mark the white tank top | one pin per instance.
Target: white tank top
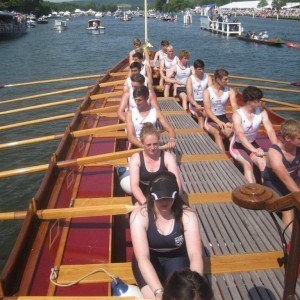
(250, 128)
(199, 86)
(182, 74)
(143, 70)
(169, 63)
(218, 103)
(161, 55)
(139, 121)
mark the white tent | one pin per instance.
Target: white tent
(292, 5)
(244, 5)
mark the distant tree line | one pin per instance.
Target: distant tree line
(40, 7)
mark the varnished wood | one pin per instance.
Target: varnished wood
(98, 130)
(37, 121)
(106, 95)
(212, 265)
(69, 298)
(46, 94)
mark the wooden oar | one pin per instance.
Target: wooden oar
(72, 212)
(51, 80)
(265, 87)
(259, 79)
(61, 79)
(280, 102)
(47, 94)
(107, 157)
(290, 109)
(110, 83)
(37, 121)
(63, 102)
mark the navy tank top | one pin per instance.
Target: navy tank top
(171, 245)
(146, 176)
(292, 168)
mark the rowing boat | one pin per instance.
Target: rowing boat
(269, 42)
(293, 44)
(77, 223)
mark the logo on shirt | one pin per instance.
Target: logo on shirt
(179, 240)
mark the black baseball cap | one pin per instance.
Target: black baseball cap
(164, 185)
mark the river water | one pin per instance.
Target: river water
(43, 53)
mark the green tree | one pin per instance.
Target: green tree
(262, 3)
(277, 4)
(159, 5)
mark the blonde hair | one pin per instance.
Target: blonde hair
(170, 47)
(148, 129)
(289, 128)
(137, 42)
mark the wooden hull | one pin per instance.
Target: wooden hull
(232, 237)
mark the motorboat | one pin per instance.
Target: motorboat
(95, 27)
(60, 25)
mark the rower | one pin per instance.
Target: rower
(127, 100)
(144, 113)
(246, 123)
(215, 99)
(146, 69)
(135, 68)
(283, 163)
(138, 48)
(195, 86)
(166, 65)
(146, 164)
(159, 55)
(181, 71)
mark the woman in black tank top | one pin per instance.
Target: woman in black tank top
(148, 163)
(165, 235)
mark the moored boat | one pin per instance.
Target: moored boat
(12, 25)
(294, 45)
(60, 25)
(42, 20)
(269, 41)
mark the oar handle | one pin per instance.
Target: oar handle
(15, 215)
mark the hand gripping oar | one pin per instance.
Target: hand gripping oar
(72, 212)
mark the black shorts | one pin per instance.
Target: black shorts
(222, 118)
(164, 267)
(181, 89)
(239, 146)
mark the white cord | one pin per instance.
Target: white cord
(54, 275)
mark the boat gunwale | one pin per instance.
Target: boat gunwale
(18, 253)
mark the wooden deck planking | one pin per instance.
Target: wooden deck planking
(182, 121)
(167, 105)
(240, 231)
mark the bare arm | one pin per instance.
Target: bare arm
(131, 131)
(162, 68)
(171, 165)
(123, 105)
(193, 240)
(153, 99)
(269, 128)
(209, 81)
(149, 74)
(134, 169)
(170, 77)
(155, 59)
(164, 122)
(275, 161)
(138, 230)
(232, 99)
